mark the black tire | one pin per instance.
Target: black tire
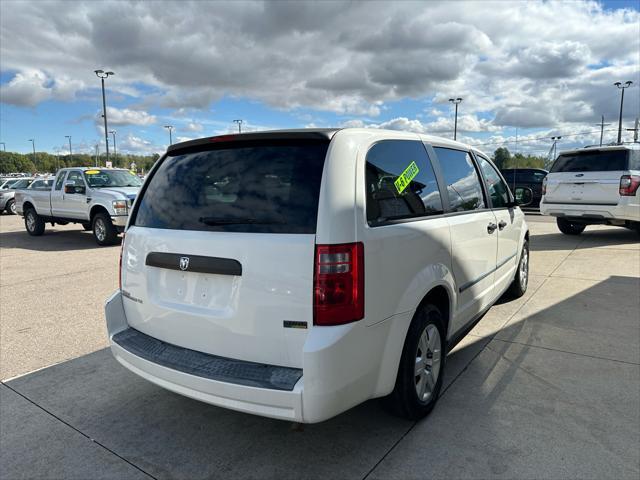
(87, 226)
(520, 282)
(570, 228)
(33, 223)
(103, 230)
(10, 207)
(404, 400)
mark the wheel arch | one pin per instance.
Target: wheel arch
(95, 209)
(439, 294)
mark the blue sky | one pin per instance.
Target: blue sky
(541, 68)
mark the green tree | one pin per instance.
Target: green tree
(501, 157)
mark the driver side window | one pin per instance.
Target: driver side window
(76, 178)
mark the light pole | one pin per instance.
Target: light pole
(170, 128)
(97, 153)
(101, 74)
(602, 125)
(70, 152)
(555, 146)
(115, 151)
(455, 101)
(622, 87)
(239, 122)
(35, 160)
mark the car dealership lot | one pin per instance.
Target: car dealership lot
(547, 386)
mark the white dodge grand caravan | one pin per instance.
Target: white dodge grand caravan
(296, 274)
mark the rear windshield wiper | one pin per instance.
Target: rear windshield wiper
(212, 221)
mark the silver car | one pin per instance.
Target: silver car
(8, 191)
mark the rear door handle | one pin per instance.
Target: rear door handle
(491, 227)
(502, 224)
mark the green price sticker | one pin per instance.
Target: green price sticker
(403, 181)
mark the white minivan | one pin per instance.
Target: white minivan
(295, 274)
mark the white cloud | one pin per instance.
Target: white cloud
(125, 116)
(530, 63)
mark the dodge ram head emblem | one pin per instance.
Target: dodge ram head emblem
(184, 263)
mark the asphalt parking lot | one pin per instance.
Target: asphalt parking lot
(547, 386)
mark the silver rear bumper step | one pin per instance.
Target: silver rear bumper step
(208, 366)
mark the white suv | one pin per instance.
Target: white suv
(295, 274)
(594, 185)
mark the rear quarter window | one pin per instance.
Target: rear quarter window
(266, 187)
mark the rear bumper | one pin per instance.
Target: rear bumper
(335, 379)
(627, 209)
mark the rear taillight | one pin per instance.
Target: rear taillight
(544, 186)
(338, 284)
(120, 264)
(629, 185)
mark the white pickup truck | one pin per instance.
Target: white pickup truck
(98, 198)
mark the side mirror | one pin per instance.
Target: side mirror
(72, 188)
(524, 196)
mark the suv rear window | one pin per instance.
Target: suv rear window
(266, 187)
(592, 161)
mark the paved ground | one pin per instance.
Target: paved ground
(544, 387)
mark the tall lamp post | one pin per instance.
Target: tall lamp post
(555, 146)
(115, 151)
(70, 151)
(622, 87)
(101, 74)
(170, 128)
(455, 101)
(239, 122)
(35, 160)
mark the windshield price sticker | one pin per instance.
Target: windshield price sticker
(92, 172)
(403, 181)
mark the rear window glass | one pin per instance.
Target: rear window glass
(592, 161)
(262, 188)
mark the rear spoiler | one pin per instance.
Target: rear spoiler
(319, 134)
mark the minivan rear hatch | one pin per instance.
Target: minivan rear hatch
(590, 177)
(219, 254)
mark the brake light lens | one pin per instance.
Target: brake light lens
(338, 284)
(120, 264)
(629, 185)
(544, 186)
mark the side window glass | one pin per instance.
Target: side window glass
(76, 178)
(498, 190)
(60, 180)
(460, 175)
(400, 182)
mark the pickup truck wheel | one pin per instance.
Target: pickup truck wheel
(570, 228)
(33, 223)
(10, 207)
(103, 230)
(421, 366)
(519, 285)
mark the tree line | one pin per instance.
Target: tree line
(503, 159)
(12, 162)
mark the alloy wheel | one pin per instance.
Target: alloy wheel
(427, 366)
